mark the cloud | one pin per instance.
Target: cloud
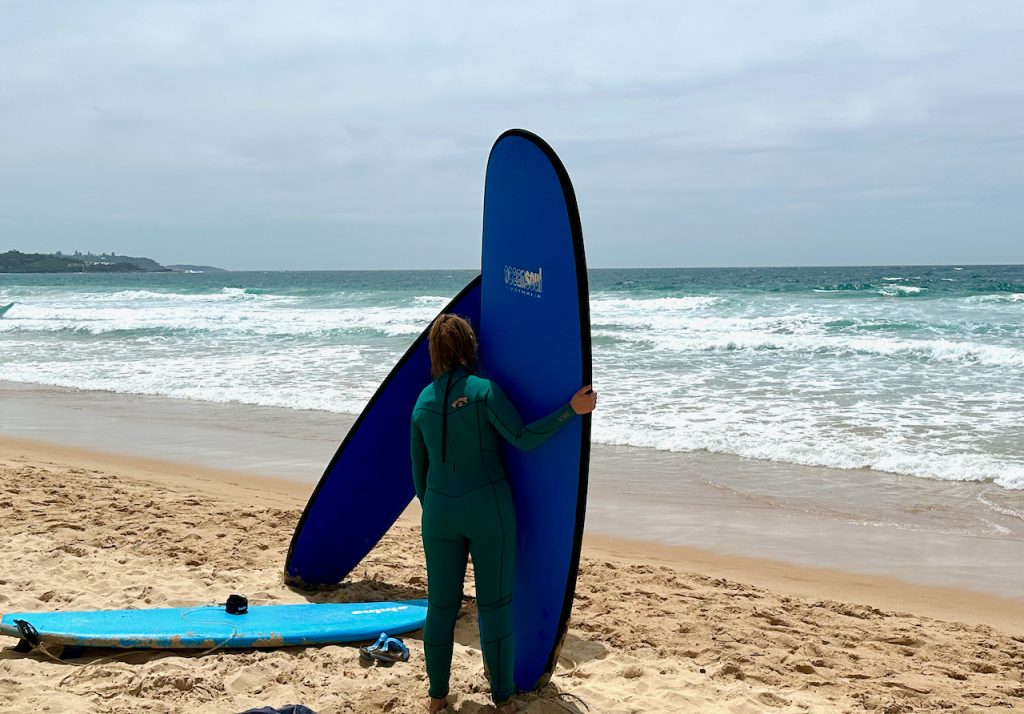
(146, 124)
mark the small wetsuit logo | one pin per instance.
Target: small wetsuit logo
(525, 282)
(460, 402)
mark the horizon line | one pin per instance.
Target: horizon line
(632, 267)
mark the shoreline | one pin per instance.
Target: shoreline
(890, 593)
(966, 535)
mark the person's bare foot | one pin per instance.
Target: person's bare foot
(438, 705)
(509, 707)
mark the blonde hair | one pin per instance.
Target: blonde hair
(451, 343)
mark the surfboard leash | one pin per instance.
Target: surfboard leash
(557, 698)
(31, 641)
(234, 633)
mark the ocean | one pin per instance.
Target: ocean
(915, 371)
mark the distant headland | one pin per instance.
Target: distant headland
(14, 261)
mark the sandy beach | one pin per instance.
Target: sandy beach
(655, 628)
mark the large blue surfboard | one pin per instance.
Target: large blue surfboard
(535, 342)
(368, 483)
(210, 626)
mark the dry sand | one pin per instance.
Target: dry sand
(654, 629)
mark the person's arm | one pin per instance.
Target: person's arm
(503, 415)
(420, 460)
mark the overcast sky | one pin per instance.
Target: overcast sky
(329, 135)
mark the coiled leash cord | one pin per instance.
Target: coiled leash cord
(235, 605)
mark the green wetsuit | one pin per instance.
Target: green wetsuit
(467, 509)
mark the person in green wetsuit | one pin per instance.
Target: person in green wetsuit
(457, 423)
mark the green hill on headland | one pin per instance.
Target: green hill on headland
(196, 269)
(14, 261)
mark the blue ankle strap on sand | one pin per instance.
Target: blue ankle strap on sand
(385, 649)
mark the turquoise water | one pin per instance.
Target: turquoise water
(912, 370)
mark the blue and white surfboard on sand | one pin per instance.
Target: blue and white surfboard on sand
(209, 627)
(530, 308)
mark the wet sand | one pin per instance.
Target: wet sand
(965, 535)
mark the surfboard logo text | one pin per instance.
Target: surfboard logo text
(380, 610)
(460, 402)
(525, 282)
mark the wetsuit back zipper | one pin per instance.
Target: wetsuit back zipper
(444, 420)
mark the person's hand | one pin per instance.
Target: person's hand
(584, 401)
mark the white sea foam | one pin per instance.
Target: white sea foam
(682, 335)
(141, 297)
(1005, 297)
(793, 434)
(252, 320)
(434, 301)
(620, 304)
(332, 379)
(896, 290)
(1002, 510)
(922, 387)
